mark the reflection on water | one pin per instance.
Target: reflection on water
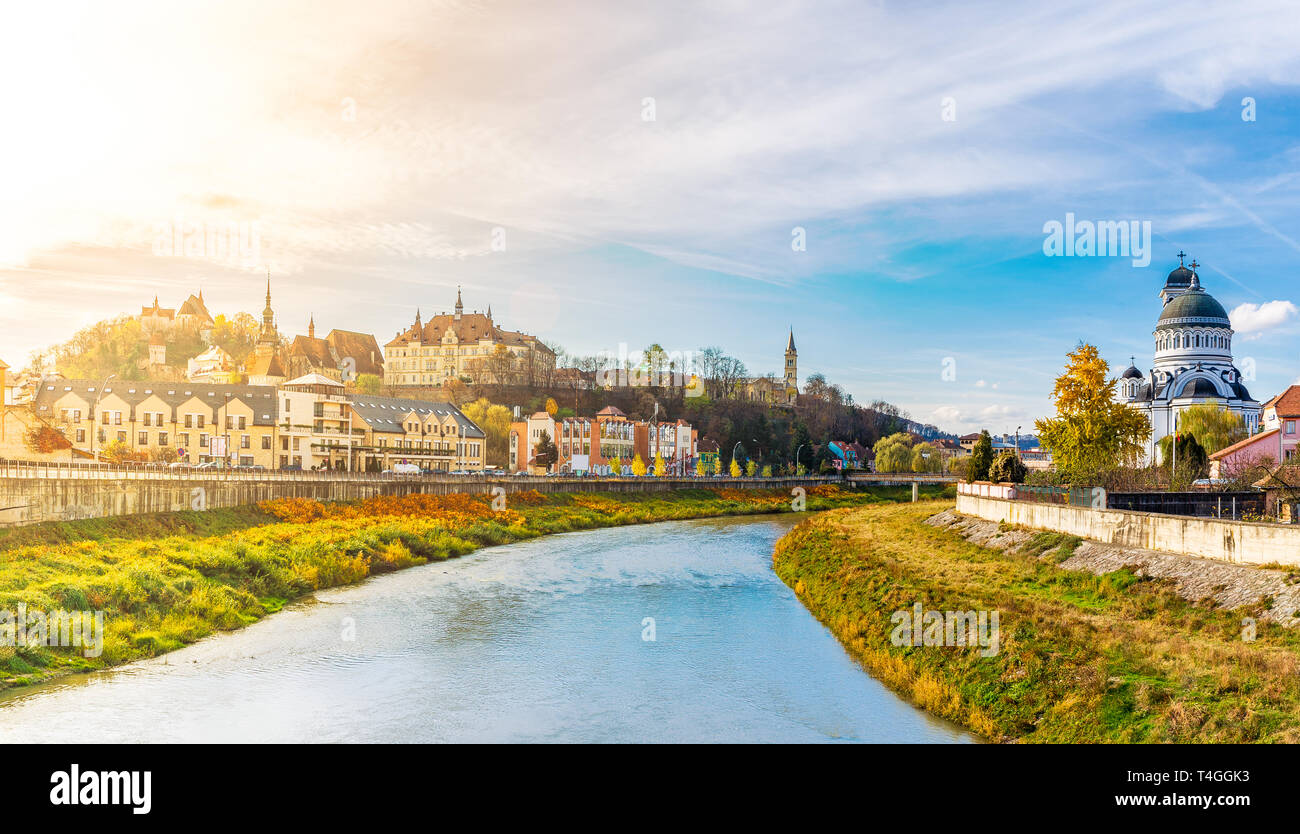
(538, 641)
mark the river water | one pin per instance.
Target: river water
(546, 640)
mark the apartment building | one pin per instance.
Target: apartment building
(311, 422)
(325, 427)
(591, 444)
(163, 420)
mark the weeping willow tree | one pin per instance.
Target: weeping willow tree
(1213, 426)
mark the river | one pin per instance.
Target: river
(669, 632)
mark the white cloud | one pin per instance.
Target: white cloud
(1251, 320)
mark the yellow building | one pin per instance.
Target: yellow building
(164, 421)
(322, 426)
(469, 345)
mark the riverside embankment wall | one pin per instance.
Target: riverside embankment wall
(34, 500)
(1231, 541)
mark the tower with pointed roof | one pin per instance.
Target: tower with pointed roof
(460, 308)
(268, 335)
(791, 363)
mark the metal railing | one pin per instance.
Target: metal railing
(163, 471)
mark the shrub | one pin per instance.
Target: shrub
(1007, 467)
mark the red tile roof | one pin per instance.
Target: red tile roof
(1241, 444)
(1287, 403)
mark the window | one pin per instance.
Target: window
(183, 439)
(162, 438)
(148, 418)
(245, 442)
(121, 437)
(189, 421)
(266, 441)
(1290, 426)
(142, 438)
(203, 440)
(81, 435)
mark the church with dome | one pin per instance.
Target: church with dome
(1193, 361)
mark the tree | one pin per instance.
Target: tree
(927, 457)
(1213, 426)
(750, 468)
(546, 454)
(1190, 458)
(661, 469)
(700, 469)
(1007, 468)
(494, 420)
(371, 384)
(45, 439)
(638, 466)
(116, 452)
(615, 467)
(767, 472)
(981, 458)
(551, 406)
(735, 468)
(1092, 432)
(894, 453)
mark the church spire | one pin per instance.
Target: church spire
(789, 347)
(311, 327)
(460, 308)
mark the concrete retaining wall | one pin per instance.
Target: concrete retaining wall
(34, 500)
(1231, 541)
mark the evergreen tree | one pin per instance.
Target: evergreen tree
(981, 458)
(546, 454)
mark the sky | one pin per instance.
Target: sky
(877, 177)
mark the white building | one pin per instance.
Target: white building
(1193, 361)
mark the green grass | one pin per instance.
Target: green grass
(1083, 658)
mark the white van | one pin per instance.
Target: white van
(405, 469)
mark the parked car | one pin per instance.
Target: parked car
(405, 469)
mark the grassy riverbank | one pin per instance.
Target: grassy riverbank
(1083, 658)
(167, 580)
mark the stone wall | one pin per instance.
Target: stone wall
(1231, 541)
(34, 500)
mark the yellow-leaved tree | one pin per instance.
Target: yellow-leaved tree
(1091, 432)
(638, 466)
(494, 420)
(735, 468)
(615, 466)
(699, 468)
(661, 469)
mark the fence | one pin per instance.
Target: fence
(1198, 504)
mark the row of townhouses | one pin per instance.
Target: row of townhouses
(591, 444)
(311, 422)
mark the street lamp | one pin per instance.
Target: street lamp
(94, 414)
(796, 457)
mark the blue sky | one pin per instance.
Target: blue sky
(377, 146)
